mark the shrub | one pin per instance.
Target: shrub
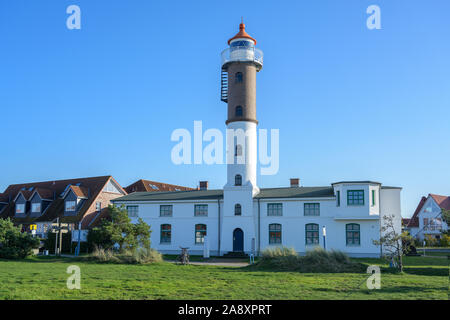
(280, 257)
(430, 241)
(15, 244)
(444, 241)
(120, 230)
(139, 256)
(317, 260)
(103, 255)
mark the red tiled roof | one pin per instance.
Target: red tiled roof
(442, 201)
(153, 186)
(80, 192)
(92, 186)
(45, 193)
(4, 197)
(242, 34)
(414, 221)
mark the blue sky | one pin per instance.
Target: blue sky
(350, 103)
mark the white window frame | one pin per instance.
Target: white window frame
(34, 205)
(70, 208)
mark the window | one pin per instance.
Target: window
(312, 209)
(98, 206)
(165, 210)
(36, 207)
(70, 205)
(238, 77)
(201, 210)
(352, 234)
(238, 180)
(238, 112)
(20, 208)
(237, 210)
(274, 209)
(238, 150)
(200, 233)
(166, 233)
(312, 233)
(274, 233)
(355, 197)
(373, 198)
(133, 211)
(338, 198)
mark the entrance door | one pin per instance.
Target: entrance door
(238, 240)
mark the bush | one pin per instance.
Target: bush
(317, 260)
(139, 256)
(430, 241)
(119, 230)
(444, 241)
(15, 244)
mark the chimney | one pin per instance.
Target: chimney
(203, 185)
(295, 182)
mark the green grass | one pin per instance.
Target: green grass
(45, 278)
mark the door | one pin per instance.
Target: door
(238, 240)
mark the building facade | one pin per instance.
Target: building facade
(427, 218)
(242, 217)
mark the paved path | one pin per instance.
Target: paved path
(218, 262)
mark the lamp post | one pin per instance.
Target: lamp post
(324, 232)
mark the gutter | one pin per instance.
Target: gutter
(218, 225)
(259, 229)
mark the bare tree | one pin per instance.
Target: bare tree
(396, 244)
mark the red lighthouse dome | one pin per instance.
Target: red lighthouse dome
(242, 34)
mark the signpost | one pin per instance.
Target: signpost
(59, 228)
(33, 228)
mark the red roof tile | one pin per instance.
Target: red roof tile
(442, 201)
(153, 186)
(92, 186)
(414, 221)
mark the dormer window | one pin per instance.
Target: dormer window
(36, 207)
(70, 206)
(20, 208)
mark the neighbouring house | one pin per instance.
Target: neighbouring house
(153, 186)
(427, 218)
(82, 200)
(244, 218)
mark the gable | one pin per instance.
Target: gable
(20, 198)
(112, 187)
(36, 198)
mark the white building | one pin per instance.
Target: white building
(427, 219)
(244, 218)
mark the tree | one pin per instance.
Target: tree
(395, 243)
(15, 244)
(446, 216)
(120, 230)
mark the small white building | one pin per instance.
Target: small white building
(427, 218)
(241, 217)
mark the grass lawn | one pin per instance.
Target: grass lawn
(45, 278)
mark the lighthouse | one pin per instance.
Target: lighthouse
(241, 61)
